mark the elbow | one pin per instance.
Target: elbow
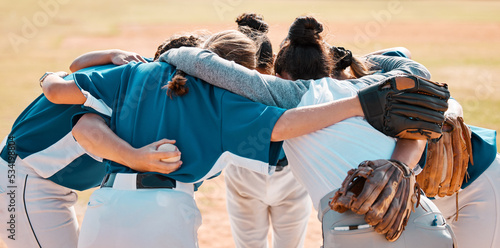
(81, 133)
(276, 136)
(74, 66)
(77, 130)
(86, 126)
(50, 92)
(279, 132)
(54, 93)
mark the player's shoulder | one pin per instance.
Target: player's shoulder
(149, 67)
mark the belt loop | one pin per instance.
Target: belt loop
(125, 181)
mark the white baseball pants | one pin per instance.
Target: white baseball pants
(34, 211)
(254, 201)
(123, 216)
(478, 223)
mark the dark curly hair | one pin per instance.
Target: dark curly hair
(254, 26)
(343, 59)
(177, 85)
(303, 54)
(176, 42)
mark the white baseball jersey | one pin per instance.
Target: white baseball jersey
(320, 160)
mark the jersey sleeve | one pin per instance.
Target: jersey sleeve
(395, 53)
(102, 86)
(394, 65)
(247, 127)
(390, 66)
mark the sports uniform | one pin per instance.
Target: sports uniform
(478, 200)
(254, 201)
(327, 155)
(41, 164)
(320, 160)
(480, 194)
(212, 127)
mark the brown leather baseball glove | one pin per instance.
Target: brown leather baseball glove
(384, 191)
(447, 159)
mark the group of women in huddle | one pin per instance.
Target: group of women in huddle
(102, 125)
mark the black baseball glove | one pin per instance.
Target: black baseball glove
(406, 106)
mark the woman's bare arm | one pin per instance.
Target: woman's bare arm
(97, 138)
(103, 57)
(303, 120)
(409, 151)
(61, 91)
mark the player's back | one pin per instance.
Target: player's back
(145, 113)
(43, 140)
(320, 160)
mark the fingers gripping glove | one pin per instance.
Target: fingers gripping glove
(447, 159)
(384, 191)
(406, 106)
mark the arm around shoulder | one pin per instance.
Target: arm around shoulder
(103, 57)
(60, 91)
(208, 66)
(303, 120)
(402, 50)
(399, 65)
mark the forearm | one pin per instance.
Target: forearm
(409, 151)
(97, 138)
(94, 58)
(398, 65)
(303, 120)
(266, 89)
(391, 66)
(104, 57)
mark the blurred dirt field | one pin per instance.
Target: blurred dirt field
(458, 42)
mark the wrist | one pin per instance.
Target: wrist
(128, 156)
(112, 54)
(44, 76)
(356, 106)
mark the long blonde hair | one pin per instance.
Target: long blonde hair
(233, 46)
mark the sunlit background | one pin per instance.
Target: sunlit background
(458, 41)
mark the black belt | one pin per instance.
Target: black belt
(281, 164)
(144, 181)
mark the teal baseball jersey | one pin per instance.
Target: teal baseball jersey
(209, 124)
(42, 138)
